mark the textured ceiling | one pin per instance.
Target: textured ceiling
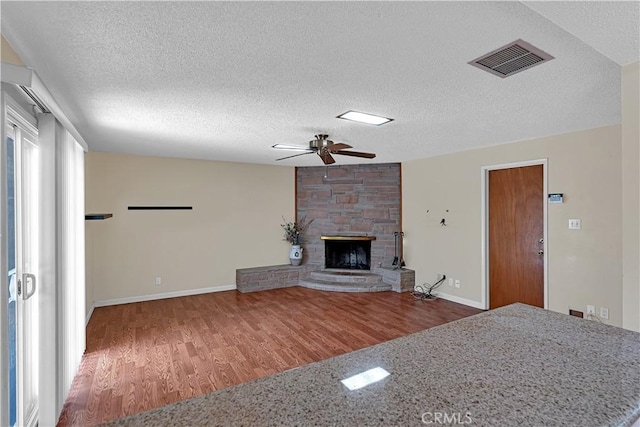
(610, 27)
(226, 80)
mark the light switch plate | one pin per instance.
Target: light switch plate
(574, 224)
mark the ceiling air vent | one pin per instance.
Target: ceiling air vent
(511, 59)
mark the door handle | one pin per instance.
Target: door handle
(541, 252)
(26, 278)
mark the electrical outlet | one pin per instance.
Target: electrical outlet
(591, 310)
(451, 282)
(604, 312)
(457, 283)
(158, 281)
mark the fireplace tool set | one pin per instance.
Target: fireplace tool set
(398, 262)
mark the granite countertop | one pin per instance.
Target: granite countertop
(513, 366)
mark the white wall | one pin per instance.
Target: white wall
(235, 223)
(585, 266)
(631, 195)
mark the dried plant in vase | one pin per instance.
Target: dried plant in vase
(293, 230)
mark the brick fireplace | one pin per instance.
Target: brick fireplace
(351, 202)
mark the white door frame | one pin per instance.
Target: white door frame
(4, 288)
(484, 217)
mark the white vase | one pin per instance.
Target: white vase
(295, 255)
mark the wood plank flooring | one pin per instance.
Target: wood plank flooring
(144, 355)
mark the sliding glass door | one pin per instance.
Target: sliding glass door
(23, 169)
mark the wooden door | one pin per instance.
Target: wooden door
(516, 229)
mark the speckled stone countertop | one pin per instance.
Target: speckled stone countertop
(514, 366)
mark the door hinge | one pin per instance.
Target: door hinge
(19, 287)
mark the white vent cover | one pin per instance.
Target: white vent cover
(511, 59)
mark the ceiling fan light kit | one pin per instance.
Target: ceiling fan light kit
(324, 148)
(370, 119)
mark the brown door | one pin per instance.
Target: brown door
(516, 261)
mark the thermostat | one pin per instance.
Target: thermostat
(555, 198)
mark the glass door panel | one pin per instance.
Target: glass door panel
(11, 255)
(22, 166)
(28, 267)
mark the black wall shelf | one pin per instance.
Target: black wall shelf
(97, 217)
(160, 208)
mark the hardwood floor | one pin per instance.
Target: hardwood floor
(143, 355)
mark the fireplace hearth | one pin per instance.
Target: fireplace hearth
(350, 253)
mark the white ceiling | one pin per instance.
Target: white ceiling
(226, 80)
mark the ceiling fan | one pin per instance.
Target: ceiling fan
(324, 148)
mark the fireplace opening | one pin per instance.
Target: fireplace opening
(348, 254)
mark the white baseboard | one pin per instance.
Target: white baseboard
(459, 300)
(152, 297)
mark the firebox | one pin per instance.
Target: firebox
(351, 253)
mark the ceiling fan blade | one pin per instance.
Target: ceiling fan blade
(290, 147)
(295, 155)
(356, 154)
(326, 157)
(337, 147)
(324, 147)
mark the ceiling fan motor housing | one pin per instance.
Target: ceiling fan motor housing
(324, 148)
(320, 142)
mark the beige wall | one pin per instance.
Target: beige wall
(631, 195)
(235, 223)
(8, 54)
(584, 266)
(90, 228)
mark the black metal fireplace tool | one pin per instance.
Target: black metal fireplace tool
(398, 262)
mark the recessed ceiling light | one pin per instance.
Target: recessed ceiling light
(365, 378)
(370, 119)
